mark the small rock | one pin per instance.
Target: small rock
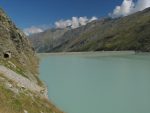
(13, 65)
(10, 85)
(25, 111)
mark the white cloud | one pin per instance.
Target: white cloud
(83, 20)
(93, 19)
(63, 24)
(75, 22)
(32, 30)
(35, 29)
(142, 4)
(129, 7)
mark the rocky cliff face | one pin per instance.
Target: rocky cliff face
(21, 91)
(15, 47)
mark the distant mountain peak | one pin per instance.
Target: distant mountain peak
(123, 33)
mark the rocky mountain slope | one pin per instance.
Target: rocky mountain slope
(21, 91)
(125, 33)
(46, 40)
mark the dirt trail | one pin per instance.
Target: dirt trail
(20, 80)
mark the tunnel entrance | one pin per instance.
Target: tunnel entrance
(7, 55)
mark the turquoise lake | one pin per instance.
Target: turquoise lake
(98, 83)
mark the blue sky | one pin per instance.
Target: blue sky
(26, 13)
(34, 16)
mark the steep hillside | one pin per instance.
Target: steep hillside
(126, 33)
(46, 40)
(16, 49)
(21, 91)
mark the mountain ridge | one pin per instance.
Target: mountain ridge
(124, 33)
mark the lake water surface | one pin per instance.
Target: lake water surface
(97, 83)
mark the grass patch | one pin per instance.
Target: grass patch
(17, 103)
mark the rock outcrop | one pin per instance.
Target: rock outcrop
(21, 91)
(15, 46)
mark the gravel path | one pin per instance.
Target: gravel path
(20, 80)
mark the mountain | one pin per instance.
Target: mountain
(21, 90)
(44, 42)
(124, 33)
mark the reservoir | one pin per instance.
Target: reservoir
(105, 82)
